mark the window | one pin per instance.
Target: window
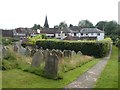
(91, 33)
(58, 34)
(74, 34)
(98, 34)
(86, 33)
(66, 34)
(81, 33)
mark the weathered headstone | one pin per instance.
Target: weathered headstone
(73, 53)
(37, 59)
(79, 53)
(27, 52)
(22, 50)
(33, 52)
(60, 54)
(15, 48)
(51, 65)
(65, 53)
(4, 52)
(46, 54)
(69, 53)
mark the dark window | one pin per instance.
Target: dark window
(86, 33)
(81, 33)
(74, 34)
(98, 34)
(66, 34)
(58, 34)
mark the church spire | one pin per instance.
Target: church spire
(46, 25)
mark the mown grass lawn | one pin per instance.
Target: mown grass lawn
(16, 78)
(109, 76)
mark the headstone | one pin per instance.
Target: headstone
(69, 53)
(51, 65)
(65, 53)
(15, 48)
(27, 52)
(4, 52)
(46, 54)
(79, 53)
(73, 53)
(33, 52)
(60, 54)
(37, 59)
(22, 50)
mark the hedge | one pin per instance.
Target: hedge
(93, 48)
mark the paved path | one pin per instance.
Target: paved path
(89, 78)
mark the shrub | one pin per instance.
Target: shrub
(92, 48)
(8, 41)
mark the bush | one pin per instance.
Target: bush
(8, 41)
(92, 48)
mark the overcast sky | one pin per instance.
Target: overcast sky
(26, 13)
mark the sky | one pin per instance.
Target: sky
(26, 13)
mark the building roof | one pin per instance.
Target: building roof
(64, 30)
(7, 33)
(48, 30)
(91, 30)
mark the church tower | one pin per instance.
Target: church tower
(46, 25)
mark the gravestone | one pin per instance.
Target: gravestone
(4, 52)
(33, 52)
(79, 53)
(37, 59)
(46, 54)
(51, 65)
(73, 53)
(22, 50)
(69, 53)
(15, 48)
(27, 52)
(60, 54)
(65, 53)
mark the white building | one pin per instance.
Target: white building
(91, 33)
(79, 33)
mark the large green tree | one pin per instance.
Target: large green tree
(110, 28)
(36, 26)
(101, 25)
(63, 25)
(85, 24)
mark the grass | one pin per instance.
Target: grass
(16, 78)
(109, 76)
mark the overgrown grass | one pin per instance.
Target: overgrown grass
(75, 61)
(14, 60)
(109, 76)
(19, 79)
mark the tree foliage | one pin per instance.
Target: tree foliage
(101, 25)
(36, 26)
(85, 24)
(63, 25)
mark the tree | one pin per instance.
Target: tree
(70, 25)
(85, 24)
(56, 26)
(35, 27)
(101, 25)
(63, 25)
(110, 28)
(38, 26)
